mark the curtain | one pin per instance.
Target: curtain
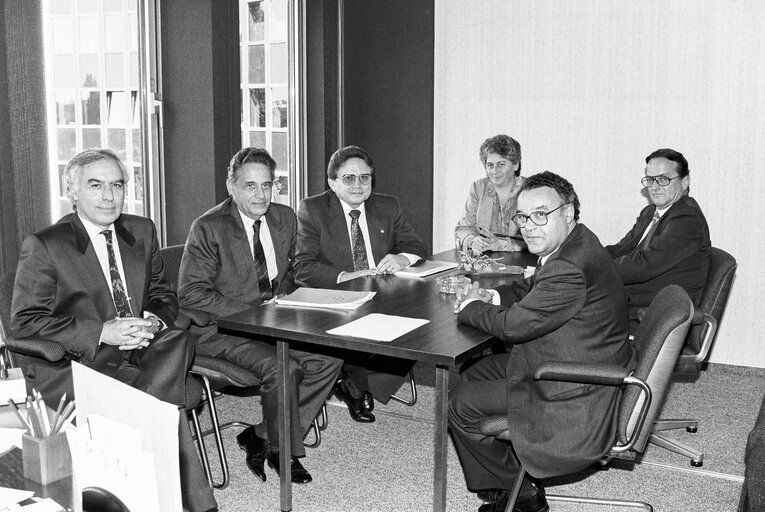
(24, 188)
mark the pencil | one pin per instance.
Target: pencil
(44, 420)
(68, 410)
(24, 422)
(33, 419)
(57, 414)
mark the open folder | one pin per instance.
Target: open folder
(426, 268)
(325, 298)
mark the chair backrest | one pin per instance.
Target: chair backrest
(6, 296)
(658, 341)
(722, 269)
(172, 257)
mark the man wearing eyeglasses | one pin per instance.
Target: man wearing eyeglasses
(572, 309)
(348, 232)
(669, 243)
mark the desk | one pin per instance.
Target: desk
(442, 343)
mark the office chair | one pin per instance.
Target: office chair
(217, 374)
(701, 335)
(658, 342)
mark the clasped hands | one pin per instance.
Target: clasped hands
(129, 333)
(470, 292)
(390, 264)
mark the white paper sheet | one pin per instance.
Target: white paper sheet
(379, 327)
(10, 497)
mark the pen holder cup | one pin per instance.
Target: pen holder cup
(46, 459)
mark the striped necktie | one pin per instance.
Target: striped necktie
(264, 284)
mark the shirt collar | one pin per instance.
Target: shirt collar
(93, 230)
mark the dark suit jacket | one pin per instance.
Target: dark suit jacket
(217, 273)
(574, 310)
(678, 253)
(61, 294)
(324, 247)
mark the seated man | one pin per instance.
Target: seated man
(116, 320)
(669, 243)
(238, 254)
(345, 233)
(572, 309)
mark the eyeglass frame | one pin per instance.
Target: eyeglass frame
(655, 179)
(350, 179)
(518, 216)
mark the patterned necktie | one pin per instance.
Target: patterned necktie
(121, 300)
(264, 284)
(649, 232)
(360, 261)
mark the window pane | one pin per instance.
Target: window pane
(115, 71)
(257, 139)
(67, 143)
(117, 108)
(91, 138)
(132, 30)
(282, 188)
(61, 190)
(61, 7)
(63, 76)
(138, 182)
(64, 107)
(63, 35)
(136, 145)
(279, 63)
(112, 5)
(91, 107)
(279, 107)
(279, 149)
(278, 20)
(90, 6)
(257, 71)
(134, 76)
(116, 141)
(114, 30)
(89, 75)
(255, 22)
(135, 106)
(88, 34)
(258, 108)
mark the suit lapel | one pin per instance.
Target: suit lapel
(133, 254)
(89, 271)
(242, 254)
(338, 227)
(279, 241)
(377, 236)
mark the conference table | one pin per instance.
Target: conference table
(442, 342)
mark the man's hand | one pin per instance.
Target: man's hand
(392, 263)
(480, 244)
(347, 276)
(127, 333)
(471, 292)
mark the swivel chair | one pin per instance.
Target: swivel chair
(658, 342)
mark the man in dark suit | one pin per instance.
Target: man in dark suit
(94, 282)
(573, 309)
(669, 243)
(349, 232)
(237, 255)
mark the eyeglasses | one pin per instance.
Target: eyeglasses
(349, 179)
(539, 217)
(663, 181)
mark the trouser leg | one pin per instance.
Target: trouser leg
(319, 375)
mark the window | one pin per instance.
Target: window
(266, 110)
(92, 89)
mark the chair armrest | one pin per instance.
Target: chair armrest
(709, 330)
(51, 351)
(586, 373)
(188, 317)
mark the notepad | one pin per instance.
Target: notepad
(379, 327)
(426, 268)
(325, 298)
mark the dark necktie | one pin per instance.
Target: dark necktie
(650, 231)
(360, 261)
(121, 300)
(264, 284)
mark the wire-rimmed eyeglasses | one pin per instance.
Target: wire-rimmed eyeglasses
(538, 217)
(663, 181)
(349, 179)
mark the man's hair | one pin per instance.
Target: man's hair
(71, 174)
(504, 146)
(674, 156)
(342, 155)
(250, 156)
(559, 184)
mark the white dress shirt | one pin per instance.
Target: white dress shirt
(265, 242)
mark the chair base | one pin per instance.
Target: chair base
(690, 425)
(597, 501)
(412, 387)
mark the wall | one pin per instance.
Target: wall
(589, 89)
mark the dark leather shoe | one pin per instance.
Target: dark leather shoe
(369, 402)
(531, 503)
(355, 405)
(297, 471)
(256, 448)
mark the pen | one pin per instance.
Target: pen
(34, 421)
(58, 412)
(44, 420)
(64, 417)
(24, 422)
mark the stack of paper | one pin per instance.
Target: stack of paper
(427, 268)
(325, 298)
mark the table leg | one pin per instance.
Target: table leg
(285, 455)
(440, 439)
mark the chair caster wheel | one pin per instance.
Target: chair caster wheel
(692, 430)
(697, 463)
